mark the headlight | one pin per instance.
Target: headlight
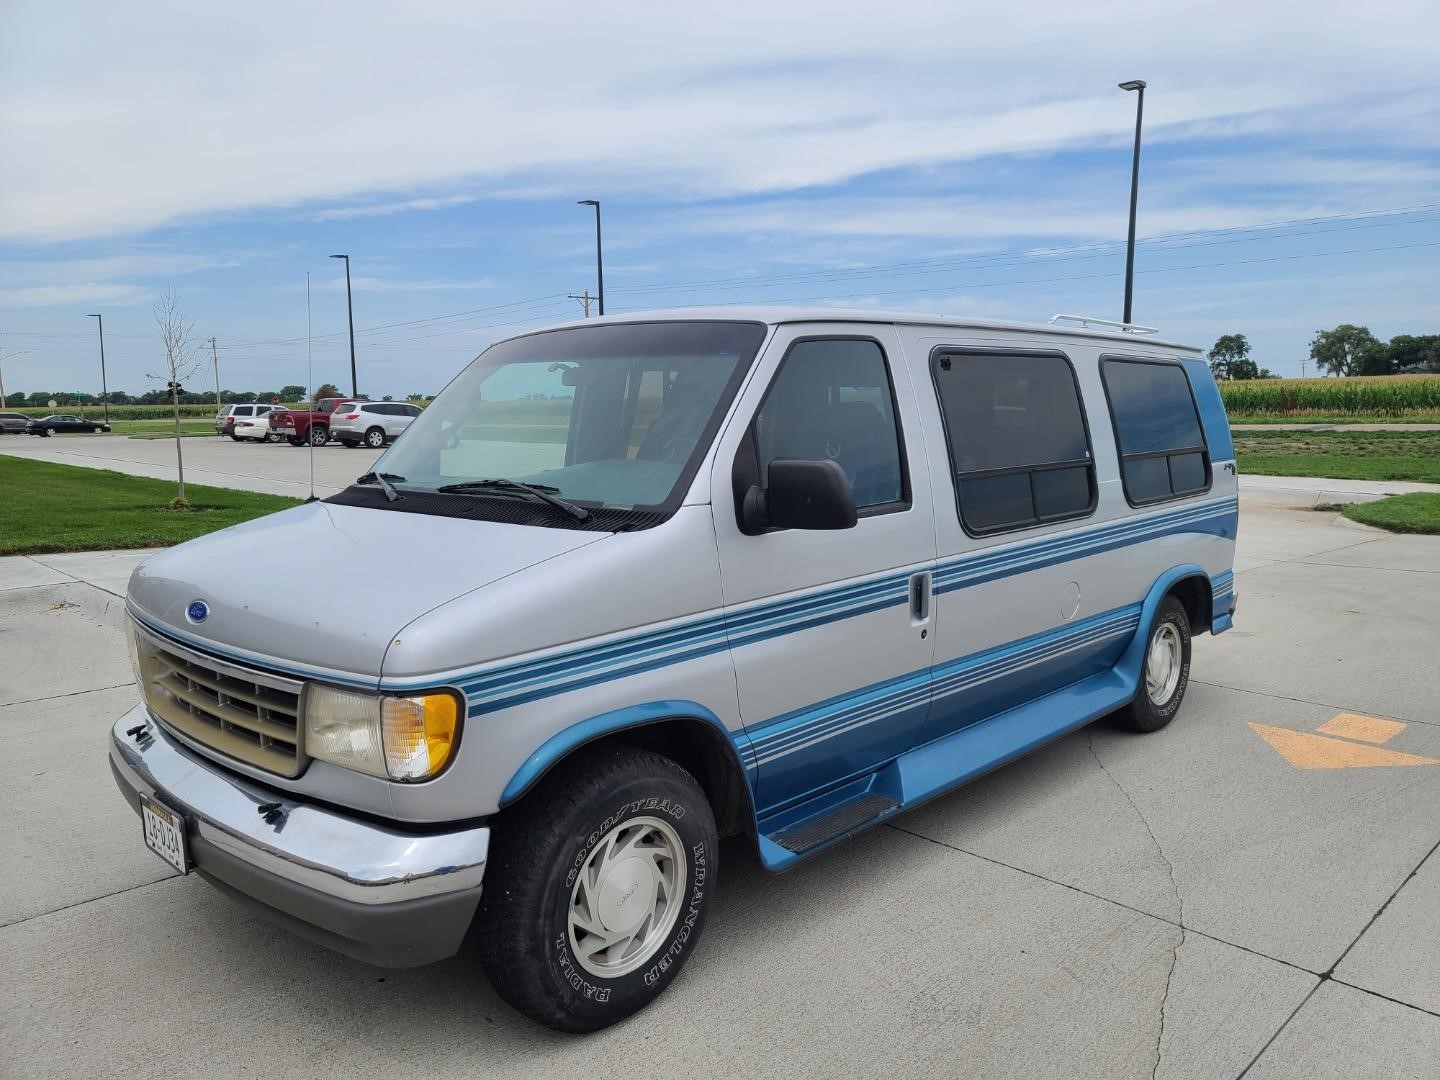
(398, 738)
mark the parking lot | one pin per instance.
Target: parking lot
(1252, 891)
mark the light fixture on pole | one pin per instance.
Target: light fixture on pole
(1138, 85)
(599, 255)
(350, 313)
(104, 388)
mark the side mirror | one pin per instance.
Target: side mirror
(801, 495)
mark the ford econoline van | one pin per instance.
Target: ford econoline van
(654, 580)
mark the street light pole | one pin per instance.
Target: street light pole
(1138, 85)
(599, 255)
(350, 312)
(104, 388)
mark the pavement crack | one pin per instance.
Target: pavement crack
(1175, 891)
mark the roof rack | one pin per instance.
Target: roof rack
(1089, 320)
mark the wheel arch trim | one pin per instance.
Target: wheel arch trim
(1132, 661)
(568, 740)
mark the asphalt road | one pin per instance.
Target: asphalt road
(1241, 894)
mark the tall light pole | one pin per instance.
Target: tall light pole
(104, 389)
(350, 311)
(1138, 85)
(599, 255)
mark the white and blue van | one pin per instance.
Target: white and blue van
(642, 582)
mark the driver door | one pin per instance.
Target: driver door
(831, 631)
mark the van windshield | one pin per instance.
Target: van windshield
(612, 415)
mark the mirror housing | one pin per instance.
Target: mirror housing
(801, 495)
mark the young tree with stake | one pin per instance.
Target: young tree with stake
(182, 360)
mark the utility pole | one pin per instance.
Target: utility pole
(584, 299)
(215, 357)
(599, 255)
(1302, 369)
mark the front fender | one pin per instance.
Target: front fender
(564, 742)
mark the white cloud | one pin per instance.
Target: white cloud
(167, 113)
(73, 294)
(383, 209)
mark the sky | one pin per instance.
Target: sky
(937, 157)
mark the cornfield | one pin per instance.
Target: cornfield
(1378, 395)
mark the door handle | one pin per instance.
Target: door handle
(920, 598)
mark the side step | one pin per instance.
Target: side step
(809, 834)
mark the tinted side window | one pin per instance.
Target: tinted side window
(1157, 430)
(411, 410)
(1018, 444)
(832, 399)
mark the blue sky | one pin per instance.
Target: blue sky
(924, 156)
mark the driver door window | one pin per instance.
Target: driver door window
(833, 399)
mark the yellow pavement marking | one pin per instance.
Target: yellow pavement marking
(1306, 751)
(1371, 729)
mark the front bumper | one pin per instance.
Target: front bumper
(388, 897)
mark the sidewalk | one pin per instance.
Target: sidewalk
(1321, 490)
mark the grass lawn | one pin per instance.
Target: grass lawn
(1344, 455)
(1338, 418)
(47, 508)
(1416, 513)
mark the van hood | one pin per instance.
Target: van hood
(328, 587)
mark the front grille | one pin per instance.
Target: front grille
(244, 713)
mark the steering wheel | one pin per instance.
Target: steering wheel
(677, 449)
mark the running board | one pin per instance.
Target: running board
(845, 818)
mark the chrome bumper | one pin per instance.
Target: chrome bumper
(341, 856)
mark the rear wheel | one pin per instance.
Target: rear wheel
(272, 437)
(375, 438)
(597, 888)
(294, 440)
(319, 436)
(1165, 673)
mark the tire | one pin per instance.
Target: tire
(349, 444)
(294, 440)
(1162, 689)
(234, 437)
(542, 855)
(319, 435)
(49, 431)
(271, 437)
(375, 438)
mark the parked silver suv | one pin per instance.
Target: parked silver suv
(14, 423)
(373, 423)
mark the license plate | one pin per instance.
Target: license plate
(164, 833)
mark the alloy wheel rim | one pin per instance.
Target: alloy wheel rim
(1163, 663)
(627, 897)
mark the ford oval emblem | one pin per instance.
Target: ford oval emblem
(198, 611)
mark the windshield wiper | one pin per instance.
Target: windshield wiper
(543, 492)
(383, 479)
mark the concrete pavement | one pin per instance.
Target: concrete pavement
(1192, 903)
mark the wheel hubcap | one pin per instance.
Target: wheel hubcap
(1163, 663)
(626, 897)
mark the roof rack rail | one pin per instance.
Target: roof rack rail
(1090, 320)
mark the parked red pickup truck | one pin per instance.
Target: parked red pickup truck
(298, 426)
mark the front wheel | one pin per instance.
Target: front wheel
(597, 888)
(48, 432)
(1165, 673)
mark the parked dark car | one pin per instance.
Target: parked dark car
(14, 423)
(62, 422)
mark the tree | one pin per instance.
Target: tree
(1413, 354)
(1227, 351)
(182, 360)
(1339, 351)
(293, 392)
(328, 389)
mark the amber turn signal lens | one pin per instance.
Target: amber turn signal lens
(419, 733)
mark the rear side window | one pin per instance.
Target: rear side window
(1157, 430)
(244, 410)
(1019, 448)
